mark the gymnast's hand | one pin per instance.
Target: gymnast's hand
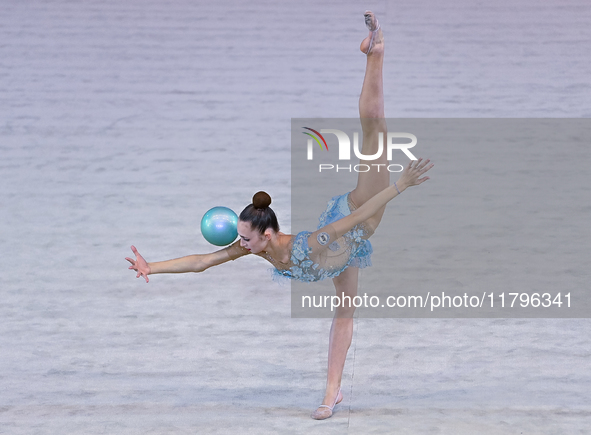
(411, 176)
(139, 265)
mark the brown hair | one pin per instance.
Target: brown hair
(259, 214)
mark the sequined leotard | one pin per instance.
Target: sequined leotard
(317, 255)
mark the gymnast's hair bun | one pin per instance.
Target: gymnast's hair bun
(261, 200)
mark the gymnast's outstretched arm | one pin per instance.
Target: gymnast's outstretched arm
(411, 176)
(190, 263)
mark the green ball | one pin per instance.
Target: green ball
(219, 226)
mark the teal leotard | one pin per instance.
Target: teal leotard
(311, 260)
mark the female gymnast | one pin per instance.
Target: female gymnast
(339, 247)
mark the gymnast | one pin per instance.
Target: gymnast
(340, 246)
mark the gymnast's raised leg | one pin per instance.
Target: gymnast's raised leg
(371, 112)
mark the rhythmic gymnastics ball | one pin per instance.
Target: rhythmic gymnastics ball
(219, 226)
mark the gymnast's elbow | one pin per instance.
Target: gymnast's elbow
(204, 262)
(197, 263)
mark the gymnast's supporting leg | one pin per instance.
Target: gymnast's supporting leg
(341, 333)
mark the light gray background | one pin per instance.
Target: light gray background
(123, 122)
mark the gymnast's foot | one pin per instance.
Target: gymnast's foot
(374, 43)
(325, 411)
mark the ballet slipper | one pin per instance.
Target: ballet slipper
(324, 411)
(375, 36)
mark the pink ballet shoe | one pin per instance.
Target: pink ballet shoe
(324, 411)
(374, 27)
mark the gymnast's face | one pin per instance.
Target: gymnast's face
(251, 239)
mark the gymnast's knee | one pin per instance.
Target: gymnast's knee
(344, 312)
